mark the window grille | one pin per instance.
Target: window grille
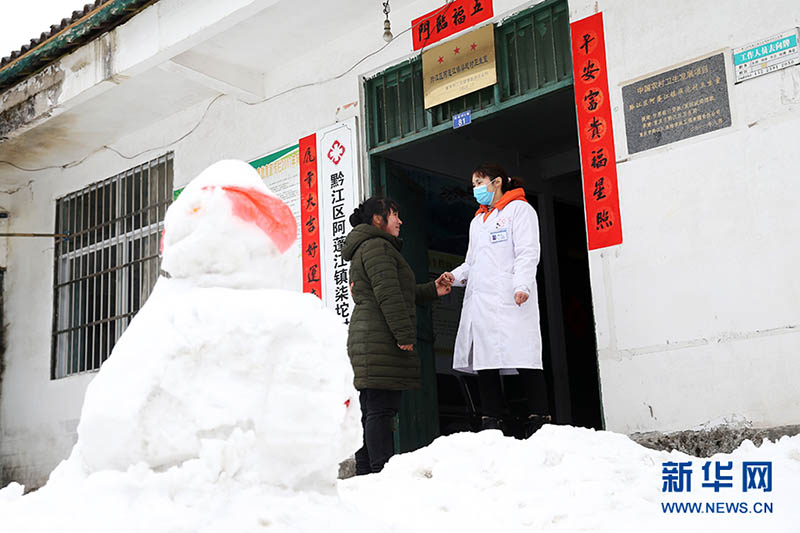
(108, 264)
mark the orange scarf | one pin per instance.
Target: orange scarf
(507, 198)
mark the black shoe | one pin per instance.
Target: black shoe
(490, 422)
(535, 423)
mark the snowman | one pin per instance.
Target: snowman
(224, 367)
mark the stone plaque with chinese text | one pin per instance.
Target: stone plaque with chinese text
(674, 105)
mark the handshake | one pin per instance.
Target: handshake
(444, 283)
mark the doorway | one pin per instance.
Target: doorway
(430, 179)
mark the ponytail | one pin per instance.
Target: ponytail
(377, 205)
(514, 182)
(356, 217)
(494, 171)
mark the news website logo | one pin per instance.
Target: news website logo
(717, 477)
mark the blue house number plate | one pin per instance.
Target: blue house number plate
(462, 119)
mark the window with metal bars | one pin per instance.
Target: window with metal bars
(108, 262)
(532, 53)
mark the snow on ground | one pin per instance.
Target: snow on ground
(565, 479)
(228, 403)
(562, 479)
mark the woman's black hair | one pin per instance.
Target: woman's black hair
(377, 205)
(493, 171)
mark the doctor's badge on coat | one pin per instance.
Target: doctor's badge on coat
(499, 236)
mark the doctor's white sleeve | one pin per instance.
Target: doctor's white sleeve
(461, 272)
(525, 235)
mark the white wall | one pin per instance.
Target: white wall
(38, 416)
(697, 314)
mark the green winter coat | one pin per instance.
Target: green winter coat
(385, 293)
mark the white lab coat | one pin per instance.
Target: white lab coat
(501, 260)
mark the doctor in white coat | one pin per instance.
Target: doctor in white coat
(499, 327)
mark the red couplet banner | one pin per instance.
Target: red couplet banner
(449, 19)
(598, 158)
(309, 216)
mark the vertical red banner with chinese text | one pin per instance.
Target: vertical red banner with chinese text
(309, 216)
(595, 132)
(449, 19)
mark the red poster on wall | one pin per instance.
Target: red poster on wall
(309, 216)
(449, 19)
(596, 134)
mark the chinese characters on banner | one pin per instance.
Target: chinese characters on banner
(309, 216)
(337, 189)
(449, 19)
(598, 158)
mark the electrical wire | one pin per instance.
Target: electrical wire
(179, 139)
(77, 162)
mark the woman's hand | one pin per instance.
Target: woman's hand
(406, 347)
(444, 284)
(520, 297)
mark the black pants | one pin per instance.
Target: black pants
(378, 408)
(492, 394)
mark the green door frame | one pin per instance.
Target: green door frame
(534, 59)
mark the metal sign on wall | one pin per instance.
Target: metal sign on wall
(677, 104)
(458, 67)
(451, 18)
(598, 155)
(767, 55)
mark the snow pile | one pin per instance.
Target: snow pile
(258, 379)
(567, 479)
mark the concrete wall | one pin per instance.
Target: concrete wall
(697, 315)
(38, 416)
(696, 311)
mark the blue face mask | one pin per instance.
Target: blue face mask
(483, 196)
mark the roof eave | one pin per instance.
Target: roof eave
(84, 28)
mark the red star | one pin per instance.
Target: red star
(474, 46)
(441, 59)
(456, 50)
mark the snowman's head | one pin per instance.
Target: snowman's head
(227, 229)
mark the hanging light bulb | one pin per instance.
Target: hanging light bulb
(387, 26)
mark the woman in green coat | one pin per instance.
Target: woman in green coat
(383, 326)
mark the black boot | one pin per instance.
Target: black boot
(491, 422)
(535, 422)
